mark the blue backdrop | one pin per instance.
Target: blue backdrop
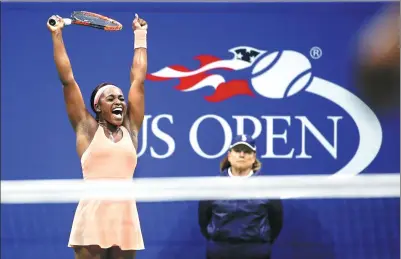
(282, 72)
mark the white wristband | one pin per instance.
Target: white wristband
(140, 39)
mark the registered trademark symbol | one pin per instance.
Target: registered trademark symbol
(316, 52)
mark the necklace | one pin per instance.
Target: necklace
(109, 131)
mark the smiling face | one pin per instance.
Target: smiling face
(111, 105)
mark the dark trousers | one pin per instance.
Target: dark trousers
(238, 251)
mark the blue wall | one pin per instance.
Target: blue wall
(38, 142)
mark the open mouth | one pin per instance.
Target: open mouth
(118, 112)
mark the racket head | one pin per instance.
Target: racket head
(95, 20)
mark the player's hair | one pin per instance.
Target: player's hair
(92, 99)
(225, 164)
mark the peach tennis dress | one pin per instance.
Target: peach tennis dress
(108, 223)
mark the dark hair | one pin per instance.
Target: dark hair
(92, 99)
(225, 164)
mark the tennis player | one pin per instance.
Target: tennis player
(107, 148)
(240, 229)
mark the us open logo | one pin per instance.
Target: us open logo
(278, 75)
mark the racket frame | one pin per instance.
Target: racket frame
(73, 20)
(118, 26)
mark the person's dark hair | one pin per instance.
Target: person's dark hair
(225, 164)
(92, 99)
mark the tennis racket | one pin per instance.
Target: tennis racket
(90, 19)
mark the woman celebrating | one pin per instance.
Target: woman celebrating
(107, 147)
(243, 229)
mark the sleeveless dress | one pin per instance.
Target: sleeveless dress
(108, 223)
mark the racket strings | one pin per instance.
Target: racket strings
(95, 20)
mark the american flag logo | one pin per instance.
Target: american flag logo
(210, 74)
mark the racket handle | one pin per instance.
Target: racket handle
(67, 21)
(53, 22)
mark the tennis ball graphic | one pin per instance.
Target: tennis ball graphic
(281, 74)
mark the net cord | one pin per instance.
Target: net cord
(199, 1)
(202, 188)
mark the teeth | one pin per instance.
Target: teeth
(118, 109)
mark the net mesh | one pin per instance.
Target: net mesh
(313, 227)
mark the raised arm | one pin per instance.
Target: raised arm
(72, 94)
(136, 95)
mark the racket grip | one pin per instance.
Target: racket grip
(53, 22)
(67, 21)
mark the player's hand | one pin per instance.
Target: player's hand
(58, 26)
(139, 23)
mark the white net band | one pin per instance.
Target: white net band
(202, 188)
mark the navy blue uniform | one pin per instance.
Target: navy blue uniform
(243, 229)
